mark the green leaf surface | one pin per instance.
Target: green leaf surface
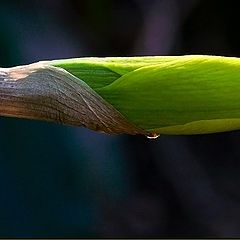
(171, 95)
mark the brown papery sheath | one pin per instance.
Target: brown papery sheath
(42, 92)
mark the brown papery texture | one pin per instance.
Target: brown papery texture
(42, 92)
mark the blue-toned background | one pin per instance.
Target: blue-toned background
(60, 181)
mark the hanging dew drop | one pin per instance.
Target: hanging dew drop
(153, 135)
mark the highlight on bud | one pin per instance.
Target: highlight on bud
(192, 94)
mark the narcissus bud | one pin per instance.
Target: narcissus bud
(135, 95)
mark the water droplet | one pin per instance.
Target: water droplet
(153, 135)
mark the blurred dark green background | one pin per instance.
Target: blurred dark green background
(59, 181)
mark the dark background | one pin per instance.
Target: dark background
(59, 181)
